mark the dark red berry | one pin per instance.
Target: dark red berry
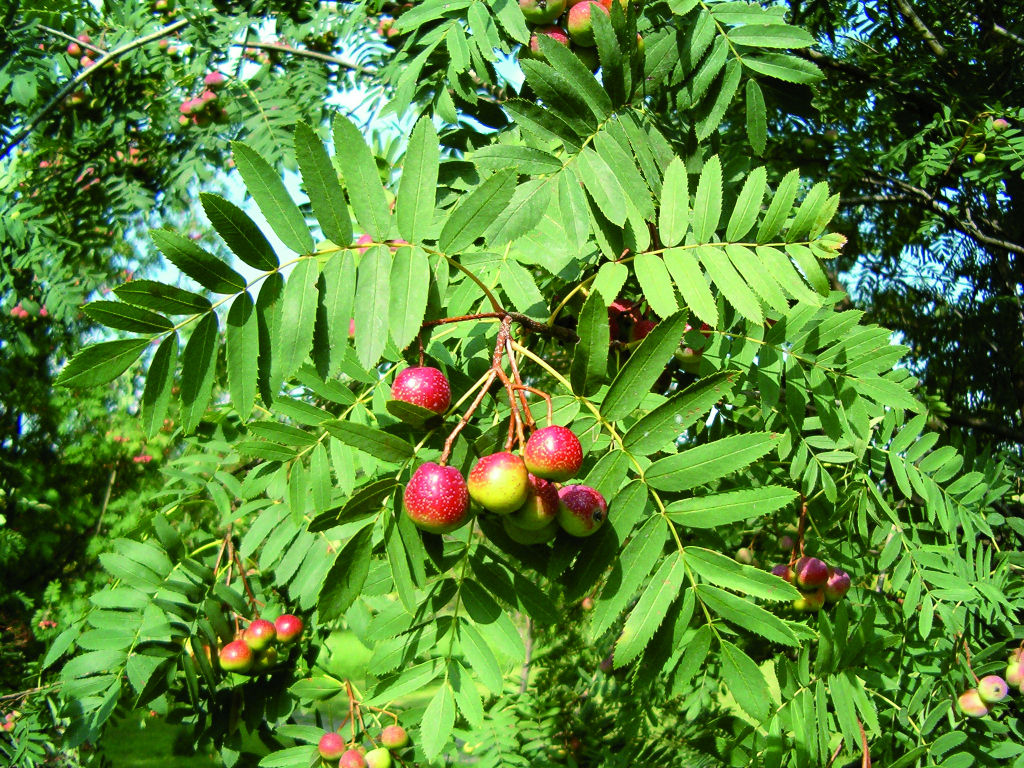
(553, 453)
(436, 498)
(423, 386)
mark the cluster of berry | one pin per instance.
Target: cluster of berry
(204, 108)
(336, 751)
(256, 650)
(992, 689)
(819, 582)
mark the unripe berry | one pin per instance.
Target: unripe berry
(378, 758)
(810, 602)
(744, 555)
(811, 573)
(423, 386)
(540, 507)
(998, 125)
(529, 536)
(580, 23)
(394, 737)
(265, 660)
(74, 49)
(786, 543)
(331, 746)
(970, 704)
(992, 689)
(553, 453)
(581, 510)
(236, 656)
(542, 11)
(436, 498)
(1015, 674)
(499, 482)
(288, 627)
(260, 634)
(979, 157)
(837, 586)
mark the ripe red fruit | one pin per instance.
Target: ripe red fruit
(581, 510)
(331, 746)
(553, 32)
(641, 328)
(810, 602)
(970, 704)
(499, 482)
(394, 737)
(784, 572)
(353, 758)
(436, 498)
(289, 628)
(423, 386)
(86, 62)
(259, 634)
(992, 689)
(236, 656)
(74, 49)
(786, 543)
(540, 507)
(215, 80)
(542, 11)
(837, 586)
(810, 573)
(580, 24)
(553, 453)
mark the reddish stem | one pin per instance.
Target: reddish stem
(465, 418)
(527, 415)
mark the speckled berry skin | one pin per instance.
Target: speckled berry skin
(970, 704)
(423, 386)
(992, 689)
(260, 634)
(331, 746)
(436, 498)
(540, 508)
(837, 586)
(499, 482)
(581, 510)
(553, 453)
(528, 536)
(811, 574)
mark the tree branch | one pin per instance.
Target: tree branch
(1001, 31)
(58, 33)
(82, 76)
(310, 55)
(922, 28)
(974, 422)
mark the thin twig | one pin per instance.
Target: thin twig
(58, 33)
(304, 52)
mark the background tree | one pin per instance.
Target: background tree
(569, 236)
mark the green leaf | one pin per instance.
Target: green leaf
(778, 210)
(101, 362)
(526, 160)
(298, 315)
(522, 290)
(638, 557)
(410, 278)
(609, 281)
(590, 357)
(373, 292)
(529, 204)
(365, 191)
(650, 610)
(709, 462)
(623, 165)
(644, 367)
(202, 266)
(339, 281)
(783, 66)
(344, 582)
(372, 440)
(743, 678)
(162, 298)
(656, 283)
(159, 381)
(707, 201)
(242, 353)
(239, 232)
(268, 190)
(729, 281)
(674, 218)
(572, 68)
(438, 722)
(475, 212)
(367, 500)
(772, 36)
(725, 508)
(692, 284)
(414, 207)
(665, 423)
(725, 572)
(479, 657)
(326, 196)
(746, 615)
(126, 317)
(757, 117)
(600, 181)
(748, 205)
(198, 366)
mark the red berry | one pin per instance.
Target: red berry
(992, 689)
(394, 737)
(784, 572)
(289, 628)
(214, 80)
(331, 746)
(436, 498)
(970, 704)
(259, 634)
(580, 24)
(581, 510)
(641, 328)
(236, 656)
(423, 386)
(553, 453)
(540, 507)
(810, 573)
(74, 49)
(553, 32)
(353, 758)
(837, 586)
(499, 482)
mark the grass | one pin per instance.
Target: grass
(140, 741)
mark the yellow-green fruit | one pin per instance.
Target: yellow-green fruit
(527, 536)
